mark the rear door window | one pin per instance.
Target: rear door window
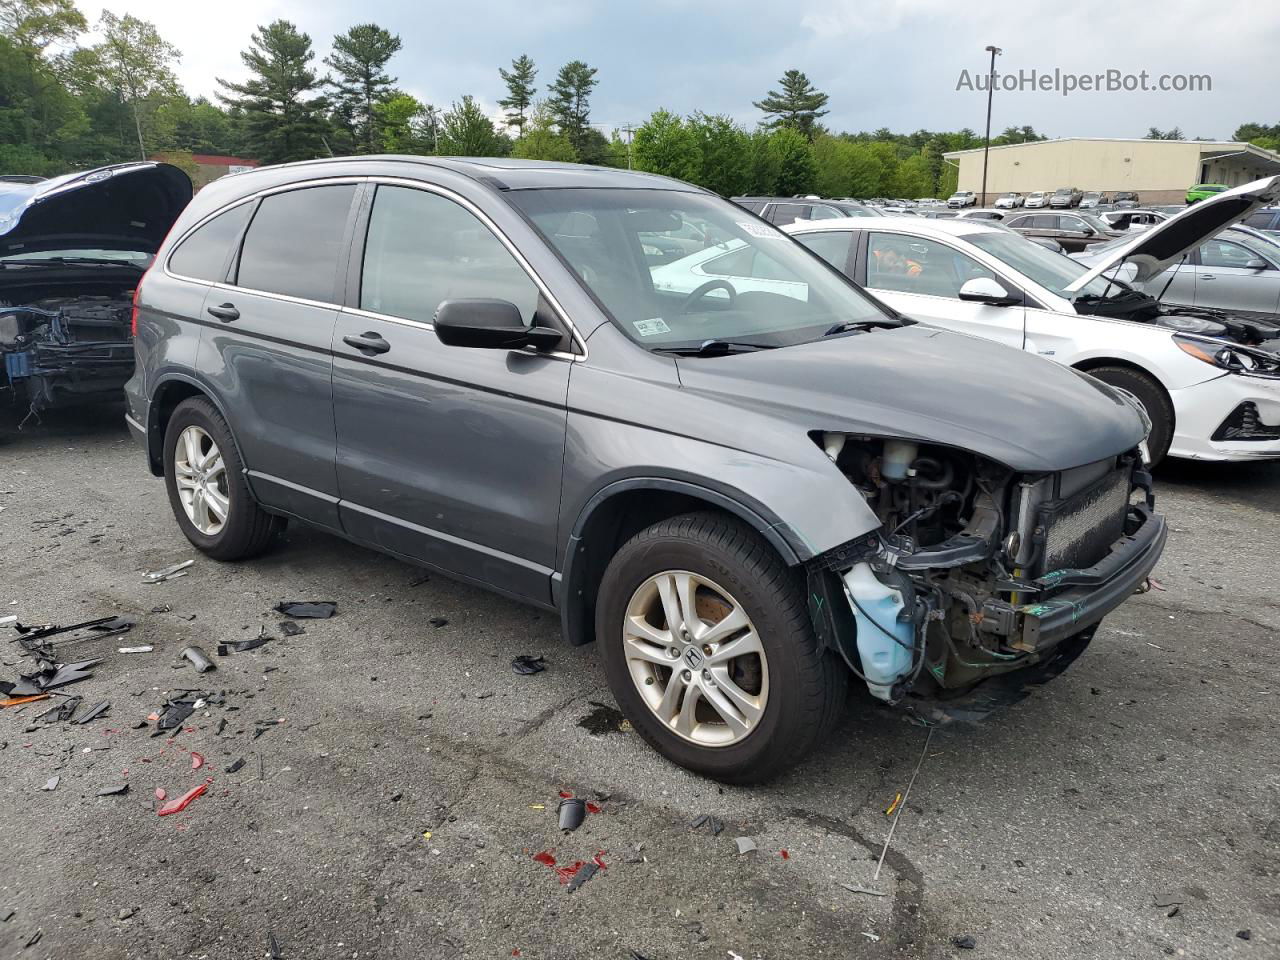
(831, 245)
(784, 213)
(294, 245)
(204, 254)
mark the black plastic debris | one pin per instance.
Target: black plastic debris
(965, 942)
(50, 675)
(198, 658)
(290, 629)
(174, 712)
(236, 766)
(273, 948)
(120, 789)
(94, 712)
(589, 870)
(714, 824)
(572, 810)
(525, 665)
(241, 646)
(307, 609)
(438, 622)
(1244, 934)
(33, 940)
(63, 712)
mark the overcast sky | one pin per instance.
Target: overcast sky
(885, 63)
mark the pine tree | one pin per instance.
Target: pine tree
(570, 103)
(798, 106)
(280, 103)
(359, 59)
(520, 91)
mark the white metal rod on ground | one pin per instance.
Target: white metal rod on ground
(897, 813)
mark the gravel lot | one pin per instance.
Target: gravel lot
(395, 809)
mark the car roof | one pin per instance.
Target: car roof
(502, 173)
(924, 226)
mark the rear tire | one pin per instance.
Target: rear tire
(1153, 399)
(795, 688)
(244, 529)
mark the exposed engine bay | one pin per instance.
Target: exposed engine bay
(63, 350)
(1129, 304)
(970, 571)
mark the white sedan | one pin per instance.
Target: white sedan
(1210, 384)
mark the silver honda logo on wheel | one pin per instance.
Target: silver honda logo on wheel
(693, 656)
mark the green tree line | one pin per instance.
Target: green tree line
(68, 104)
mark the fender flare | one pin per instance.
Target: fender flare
(566, 586)
(155, 439)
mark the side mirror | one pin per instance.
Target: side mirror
(1256, 263)
(985, 290)
(490, 324)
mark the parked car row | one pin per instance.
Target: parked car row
(784, 210)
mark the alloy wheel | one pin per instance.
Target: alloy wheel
(201, 477)
(696, 658)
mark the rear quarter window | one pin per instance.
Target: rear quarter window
(295, 243)
(204, 254)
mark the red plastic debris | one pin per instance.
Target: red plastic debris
(181, 803)
(600, 863)
(197, 760)
(564, 873)
(592, 807)
(785, 855)
(515, 952)
(566, 795)
(160, 794)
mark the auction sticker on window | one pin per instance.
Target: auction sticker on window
(652, 327)
(760, 230)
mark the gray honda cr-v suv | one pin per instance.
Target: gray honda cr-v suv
(733, 469)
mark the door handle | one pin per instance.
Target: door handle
(1208, 276)
(369, 343)
(226, 312)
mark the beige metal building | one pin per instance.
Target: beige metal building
(1159, 171)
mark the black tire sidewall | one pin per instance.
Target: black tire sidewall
(201, 413)
(1153, 400)
(776, 731)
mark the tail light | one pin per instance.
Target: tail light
(133, 315)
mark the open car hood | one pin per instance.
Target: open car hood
(127, 206)
(1157, 248)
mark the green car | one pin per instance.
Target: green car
(1202, 191)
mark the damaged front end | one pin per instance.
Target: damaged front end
(64, 351)
(977, 570)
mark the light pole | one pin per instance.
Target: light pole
(986, 148)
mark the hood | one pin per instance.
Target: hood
(923, 383)
(1157, 248)
(128, 206)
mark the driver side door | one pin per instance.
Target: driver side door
(922, 278)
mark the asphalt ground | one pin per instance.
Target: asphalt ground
(399, 777)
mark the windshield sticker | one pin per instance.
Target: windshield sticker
(652, 327)
(760, 230)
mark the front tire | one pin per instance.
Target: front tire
(207, 490)
(1153, 399)
(709, 651)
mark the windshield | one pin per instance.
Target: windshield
(735, 278)
(1051, 270)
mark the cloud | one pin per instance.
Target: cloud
(887, 63)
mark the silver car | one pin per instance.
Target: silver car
(1237, 269)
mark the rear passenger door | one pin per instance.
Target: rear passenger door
(448, 455)
(267, 343)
